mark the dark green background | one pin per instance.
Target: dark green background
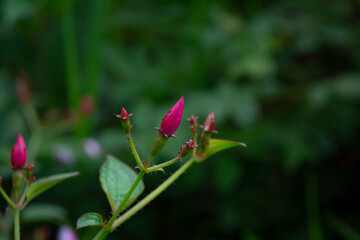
(281, 76)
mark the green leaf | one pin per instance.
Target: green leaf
(43, 184)
(217, 145)
(90, 219)
(43, 212)
(116, 179)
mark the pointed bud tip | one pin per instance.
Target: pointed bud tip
(123, 112)
(18, 153)
(172, 119)
(209, 124)
(123, 115)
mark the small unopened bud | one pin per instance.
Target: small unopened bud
(18, 153)
(209, 124)
(0, 180)
(185, 149)
(125, 121)
(169, 125)
(29, 172)
(193, 124)
(87, 105)
(172, 119)
(208, 129)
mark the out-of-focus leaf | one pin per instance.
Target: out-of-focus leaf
(43, 184)
(90, 220)
(342, 228)
(116, 179)
(42, 212)
(217, 145)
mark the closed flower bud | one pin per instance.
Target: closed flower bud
(125, 122)
(87, 105)
(208, 129)
(124, 115)
(172, 119)
(169, 125)
(209, 124)
(193, 124)
(29, 172)
(18, 153)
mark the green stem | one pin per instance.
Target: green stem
(126, 198)
(72, 75)
(107, 229)
(6, 197)
(16, 224)
(135, 153)
(165, 164)
(153, 194)
(101, 234)
(312, 204)
(159, 143)
(23, 196)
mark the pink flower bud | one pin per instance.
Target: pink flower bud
(209, 124)
(125, 122)
(193, 124)
(87, 105)
(22, 88)
(124, 115)
(172, 119)
(18, 153)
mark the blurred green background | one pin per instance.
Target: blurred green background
(281, 76)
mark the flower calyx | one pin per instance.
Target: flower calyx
(185, 149)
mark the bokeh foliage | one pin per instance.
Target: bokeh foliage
(281, 76)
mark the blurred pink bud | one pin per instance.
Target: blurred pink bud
(18, 153)
(209, 124)
(87, 105)
(124, 115)
(193, 119)
(66, 233)
(193, 124)
(172, 119)
(22, 88)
